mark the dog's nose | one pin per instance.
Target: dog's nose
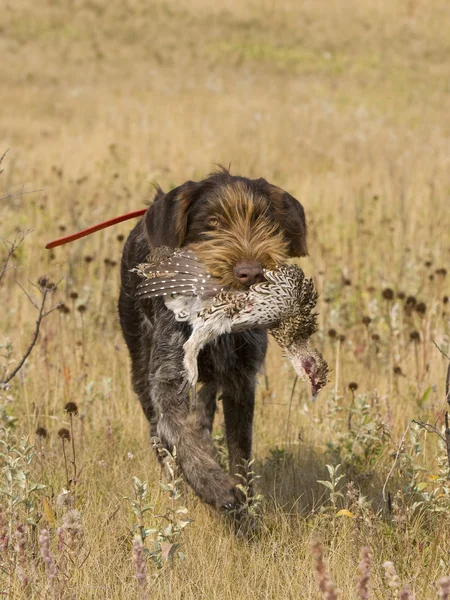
(248, 273)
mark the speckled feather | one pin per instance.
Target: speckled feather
(169, 272)
(283, 303)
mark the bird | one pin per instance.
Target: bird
(283, 303)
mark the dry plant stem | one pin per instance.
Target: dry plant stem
(65, 463)
(447, 439)
(294, 385)
(397, 454)
(82, 342)
(12, 247)
(447, 428)
(21, 192)
(350, 412)
(2, 157)
(434, 550)
(441, 351)
(433, 428)
(41, 315)
(447, 385)
(41, 457)
(447, 399)
(336, 385)
(74, 462)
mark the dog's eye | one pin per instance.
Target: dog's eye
(213, 222)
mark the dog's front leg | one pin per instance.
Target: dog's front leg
(238, 407)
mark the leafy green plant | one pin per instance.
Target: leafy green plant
(248, 513)
(20, 513)
(332, 485)
(360, 439)
(166, 527)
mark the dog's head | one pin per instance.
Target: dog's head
(236, 226)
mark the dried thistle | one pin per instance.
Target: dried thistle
(44, 543)
(65, 499)
(421, 308)
(364, 569)
(139, 561)
(20, 545)
(45, 284)
(71, 531)
(405, 594)
(41, 432)
(63, 308)
(444, 588)
(326, 585)
(64, 434)
(71, 408)
(414, 336)
(393, 579)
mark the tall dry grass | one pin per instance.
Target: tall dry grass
(346, 106)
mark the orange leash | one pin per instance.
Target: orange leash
(93, 229)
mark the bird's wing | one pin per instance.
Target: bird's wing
(170, 260)
(169, 271)
(166, 284)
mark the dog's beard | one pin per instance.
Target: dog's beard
(257, 241)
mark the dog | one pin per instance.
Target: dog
(237, 227)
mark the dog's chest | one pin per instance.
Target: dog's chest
(233, 356)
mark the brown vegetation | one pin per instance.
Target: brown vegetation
(345, 106)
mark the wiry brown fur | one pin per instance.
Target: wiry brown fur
(246, 233)
(227, 220)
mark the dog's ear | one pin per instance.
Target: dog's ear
(290, 215)
(166, 219)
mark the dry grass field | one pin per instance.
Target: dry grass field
(344, 104)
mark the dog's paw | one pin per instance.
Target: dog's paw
(229, 507)
(230, 503)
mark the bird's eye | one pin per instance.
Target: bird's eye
(213, 222)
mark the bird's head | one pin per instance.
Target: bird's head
(309, 364)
